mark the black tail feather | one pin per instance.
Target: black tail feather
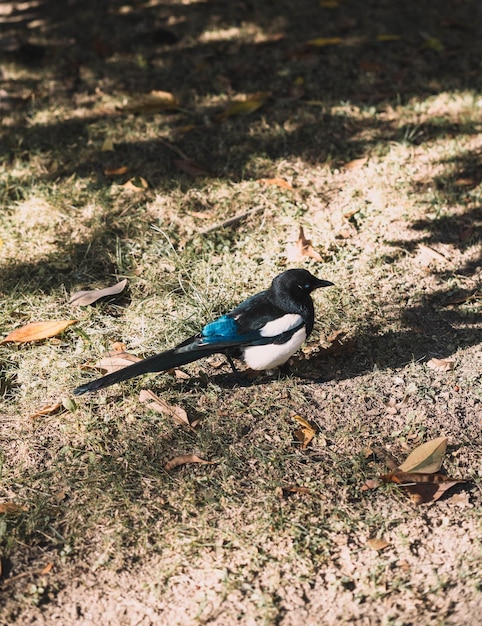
(157, 363)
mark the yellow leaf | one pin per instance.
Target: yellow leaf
(426, 458)
(107, 146)
(244, 107)
(388, 38)
(329, 4)
(307, 431)
(151, 102)
(185, 458)
(38, 330)
(302, 248)
(115, 361)
(433, 43)
(321, 42)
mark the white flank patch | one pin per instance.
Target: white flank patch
(281, 325)
(274, 355)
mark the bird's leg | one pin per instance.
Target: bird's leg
(231, 362)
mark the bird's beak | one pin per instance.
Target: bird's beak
(322, 283)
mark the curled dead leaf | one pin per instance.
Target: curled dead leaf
(184, 459)
(306, 433)
(115, 361)
(116, 171)
(38, 330)
(377, 544)
(302, 248)
(11, 508)
(156, 403)
(136, 184)
(151, 102)
(50, 409)
(423, 487)
(84, 298)
(321, 42)
(442, 365)
(277, 182)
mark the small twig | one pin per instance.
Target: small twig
(232, 220)
(175, 149)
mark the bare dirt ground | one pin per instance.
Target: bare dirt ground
(360, 122)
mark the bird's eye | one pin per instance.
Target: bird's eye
(306, 286)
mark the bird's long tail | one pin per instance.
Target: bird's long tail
(157, 363)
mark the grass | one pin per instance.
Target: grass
(381, 143)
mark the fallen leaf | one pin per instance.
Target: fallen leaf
(184, 459)
(321, 42)
(50, 409)
(442, 365)
(191, 167)
(296, 252)
(10, 508)
(354, 165)
(115, 361)
(38, 330)
(427, 255)
(151, 102)
(370, 483)
(307, 431)
(116, 171)
(427, 458)
(290, 489)
(244, 107)
(84, 298)
(433, 43)
(135, 184)
(388, 37)
(377, 544)
(278, 182)
(47, 568)
(156, 403)
(107, 146)
(423, 487)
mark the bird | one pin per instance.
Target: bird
(265, 331)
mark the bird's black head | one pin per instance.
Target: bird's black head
(296, 284)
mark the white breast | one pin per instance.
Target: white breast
(274, 355)
(281, 325)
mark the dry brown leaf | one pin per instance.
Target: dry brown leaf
(307, 431)
(137, 184)
(47, 568)
(377, 544)
(115, 361)
(427, 255)
(443, 365)
(423, 487)
(244, 107)
(116, 171)
(38, 330)
(10, 508)
(50, 409)
(84, 298)
(156, 403)
(277, 182)
(296, 252)
(427, 458)
(151, 102)
(321, 42)
(191, 167)
(184, 459)
(288, 490)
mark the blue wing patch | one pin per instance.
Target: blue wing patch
(225, 327)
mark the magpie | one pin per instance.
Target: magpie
(264, 330)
